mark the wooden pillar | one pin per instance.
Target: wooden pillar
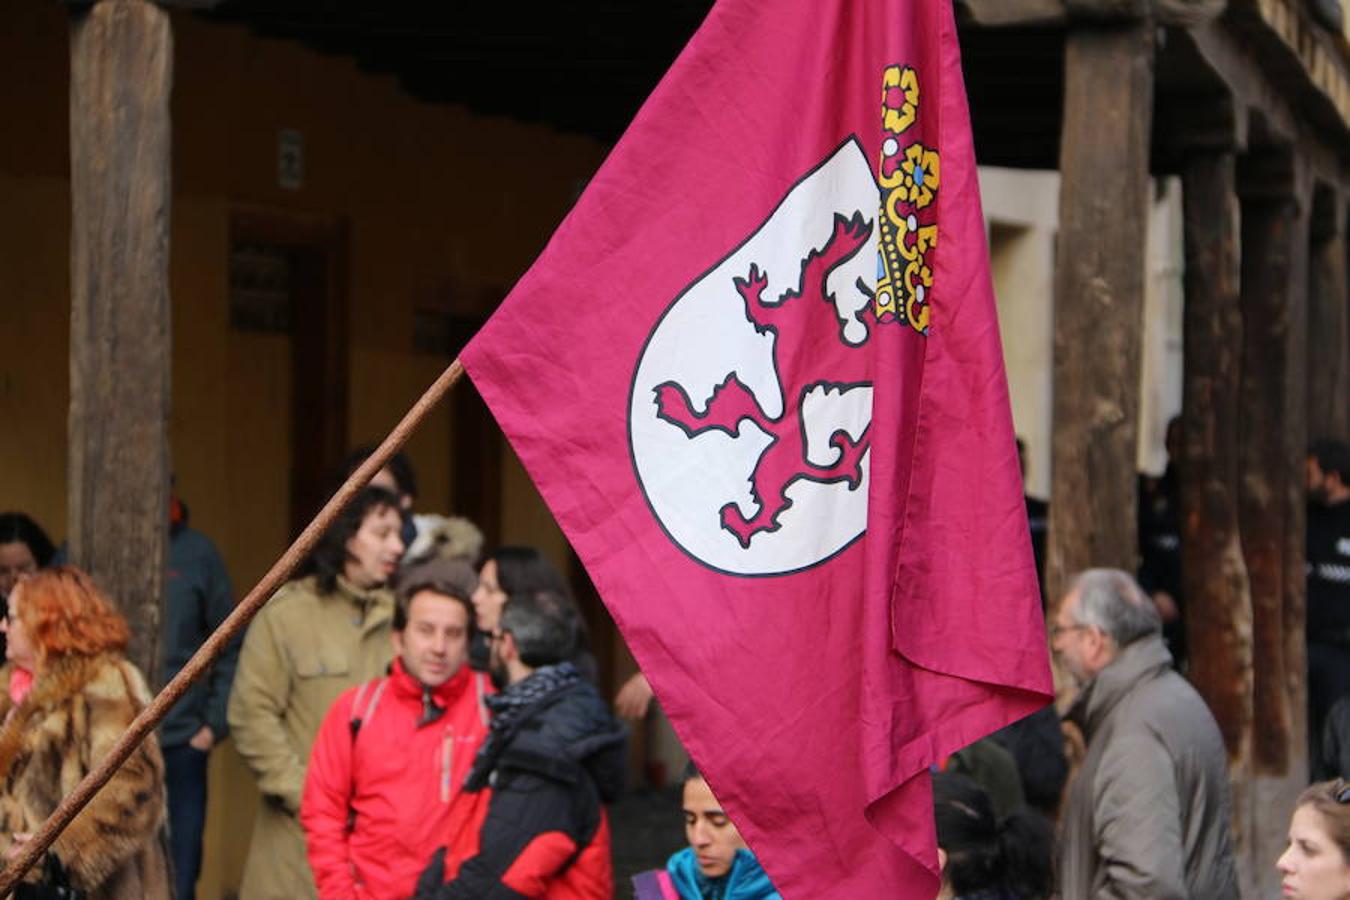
(1099, 294)
(1214, 573)
(120, 75)
(1274, 278)
(1329, 319)
(1270, 501)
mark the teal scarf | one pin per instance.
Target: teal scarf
(746, 880)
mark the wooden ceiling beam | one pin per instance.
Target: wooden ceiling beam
(1000, 13)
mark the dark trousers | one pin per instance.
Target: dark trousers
(185, 781)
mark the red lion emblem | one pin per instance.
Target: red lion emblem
(809, 352)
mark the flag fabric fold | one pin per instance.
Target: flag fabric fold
(756, 376)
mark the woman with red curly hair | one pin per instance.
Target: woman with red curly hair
(71, 694)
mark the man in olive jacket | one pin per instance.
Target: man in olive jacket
(1148, 814)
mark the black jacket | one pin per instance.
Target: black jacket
(545, 828)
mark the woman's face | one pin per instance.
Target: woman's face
(15, 560)
(488, 598)
(1313, 866)
(374, 551)
(710, 831)
(18, 647)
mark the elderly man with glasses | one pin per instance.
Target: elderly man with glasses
(1148, 814)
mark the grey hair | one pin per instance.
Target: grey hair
(1111, 600)
(544, 625)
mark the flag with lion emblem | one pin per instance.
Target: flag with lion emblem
(757, 378)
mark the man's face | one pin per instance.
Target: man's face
(1077, 646)
(435, 642)
(710, 831)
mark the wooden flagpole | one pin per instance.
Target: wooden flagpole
(211, 648)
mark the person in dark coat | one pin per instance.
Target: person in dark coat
(1159, 532)
(1036, 743)
(1328, 607)
(553, 757)
(985, 856)
(198, 598)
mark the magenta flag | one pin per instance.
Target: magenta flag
(756, 376)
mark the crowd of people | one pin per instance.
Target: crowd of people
(423, 721)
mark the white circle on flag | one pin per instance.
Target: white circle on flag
(691, 468)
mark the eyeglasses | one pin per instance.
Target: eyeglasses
(1057, 630)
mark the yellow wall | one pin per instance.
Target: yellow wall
(443, 209)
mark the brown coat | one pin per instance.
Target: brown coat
(303, 649)
(77, 709)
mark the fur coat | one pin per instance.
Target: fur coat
(76, 710)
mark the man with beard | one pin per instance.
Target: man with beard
(1328, 562)
(553, 757)
(1148, 813)
(385, 775)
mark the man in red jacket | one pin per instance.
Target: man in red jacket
(384, 779)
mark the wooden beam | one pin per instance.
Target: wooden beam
(1274, 279)
(1306, 61)
(1270, 498)
(1099, 295)
(1015, 12)
(1329, 319)
(169, 4)
(1214, 573)
(1269, 103)
(121, 66)
(1184, 13)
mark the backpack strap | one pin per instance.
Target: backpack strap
(375, 689)
(360, 716)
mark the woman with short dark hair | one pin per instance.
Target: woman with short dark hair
(24, 548)
(518, 572)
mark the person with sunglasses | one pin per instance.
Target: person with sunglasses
(1316, 865)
